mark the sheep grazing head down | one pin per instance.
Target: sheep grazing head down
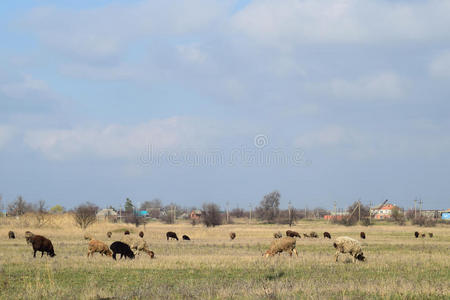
(360, 257)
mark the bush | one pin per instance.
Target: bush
(211, 215)
(85, 215)
(424, 221)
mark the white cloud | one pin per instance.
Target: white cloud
(291, 22)
(440, 66)
(6, 133)
(118, 141)
(329, 136)
(28, 88)
(102, 34)
(386, 86)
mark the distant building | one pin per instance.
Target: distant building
(196, 214)
(445, 214)
(384, 212)
(336, 215)
(107, 214)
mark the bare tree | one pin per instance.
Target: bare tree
(42, 217)
(19, 207)
(268, 209)
(211, 215)
(85, 215)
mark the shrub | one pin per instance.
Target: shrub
(85, 215)
(211, 215)
(424, 221)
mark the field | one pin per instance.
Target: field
(213, 267)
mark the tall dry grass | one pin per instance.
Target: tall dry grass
(212, 266)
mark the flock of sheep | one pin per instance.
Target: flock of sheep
(128, 243)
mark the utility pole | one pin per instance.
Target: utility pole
(290, 218)
(370, 212)
(415, 212)
(250, 219)
(359, 210)
(228, 214)
(305, 212)
(420, 202)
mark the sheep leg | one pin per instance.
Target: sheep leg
(295, 251)
(336, 256)
(114, 256)
(42, 253)
(34, 255)
(121, 255)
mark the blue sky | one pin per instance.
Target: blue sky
(225, 101)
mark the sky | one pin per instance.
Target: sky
(194, 101)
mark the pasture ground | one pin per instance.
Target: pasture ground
(213, 267)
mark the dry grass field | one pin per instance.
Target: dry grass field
(211, 266)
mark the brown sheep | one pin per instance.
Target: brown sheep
(280, 245)
(127, 232)
(109, 234)
(362, 234)
(138, 244)
(305, 235)
(326, 235)
(344, 244)
(423, 235)
(232, 235)
(141, 234)
(416, 234)
(292, 233)
(277, 235)
(28, 235)
(42, 244)
(313, 234)
(98, 246)
(11, 235)
(430, 234)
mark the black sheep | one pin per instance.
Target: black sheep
(122, 249)
(141, 234)
(172, 235)
(292, 233)
(11, 235)
(430, 234)
(127, 232)
(362, 235)
(186, 238)
(326, 235)
(416, 234)
(109, 234)
(42, 244)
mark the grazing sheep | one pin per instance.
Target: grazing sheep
(141, 234)
(292, 233)
(326, 235)
(305, 235)
(172, 235)
(122, 249)
(430, 234)
(186, 238)
(11, 235)
(98, 246)
(416, 234)
(277, 235)
(42, 244)
(127, 232)
(280, 245)
(232, 235)
(313, 234)
(423, 235)
(345, 244)
(28, 235)
(109, 234)
(362, 234)
(138, 244)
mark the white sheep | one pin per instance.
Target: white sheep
(286, 243)
(345, 244)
